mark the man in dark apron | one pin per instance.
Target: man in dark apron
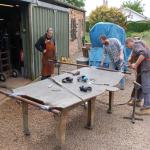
(46, 45)
(142, 52)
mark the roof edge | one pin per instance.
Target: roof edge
(136, 12)
(67, 5)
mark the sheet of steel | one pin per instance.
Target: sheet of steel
(54, 95)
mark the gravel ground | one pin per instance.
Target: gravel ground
(111, 132)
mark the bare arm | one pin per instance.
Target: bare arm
(121, 55)
(131, 59)
(138, 62)
(103, 56)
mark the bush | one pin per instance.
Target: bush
(106, 14)
(138, 26)
(87, 26)
(129, 34)
(87, 37)
(143, 35)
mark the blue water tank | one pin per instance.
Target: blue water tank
(95, 57)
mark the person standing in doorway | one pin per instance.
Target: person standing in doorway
(113, 48)
(46, 45)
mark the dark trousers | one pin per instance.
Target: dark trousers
(139, 92)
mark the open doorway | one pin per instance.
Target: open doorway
(11, 50)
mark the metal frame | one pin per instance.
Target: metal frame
(111, 101)
(61, 115)
(137, 86)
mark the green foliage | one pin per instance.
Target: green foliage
(136, 5)
(87, 26)
(143, 35)
(129, 34)
(105, 14)
(87, 37)
(78, 3)
(138, 26)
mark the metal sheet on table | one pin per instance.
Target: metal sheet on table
(54, 95)
(100, 77)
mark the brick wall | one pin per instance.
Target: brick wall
(76, 25)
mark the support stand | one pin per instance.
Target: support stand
(137, 86)
(58, 68)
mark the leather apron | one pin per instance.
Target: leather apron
(48, 67)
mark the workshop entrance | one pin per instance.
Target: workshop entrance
(11, 47)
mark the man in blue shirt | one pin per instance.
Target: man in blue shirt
(113, 48)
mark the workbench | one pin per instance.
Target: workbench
(60, 98)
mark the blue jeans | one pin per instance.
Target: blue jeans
(146, 100)
(120, 67)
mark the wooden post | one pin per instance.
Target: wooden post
(61, 129)
(25, 118)
(91, 113)
(111, 101)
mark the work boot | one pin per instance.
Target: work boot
(143, 112)
(138, 103)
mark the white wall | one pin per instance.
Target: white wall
(132, 16)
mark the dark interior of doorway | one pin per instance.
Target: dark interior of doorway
(10, 38)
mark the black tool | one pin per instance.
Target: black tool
(85, 88)
(67, 80)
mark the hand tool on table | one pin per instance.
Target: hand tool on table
(85, 88)
(73, 73)
(82, 78)
(61, 85)
(92, 81)
(67, 80)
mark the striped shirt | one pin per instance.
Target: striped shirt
(113, 50)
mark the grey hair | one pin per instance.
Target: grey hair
(49, 28)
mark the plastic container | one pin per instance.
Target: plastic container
(82, 61)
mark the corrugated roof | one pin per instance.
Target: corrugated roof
(64, 4)
(17, 1)
(55, 2)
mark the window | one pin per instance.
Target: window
(73, 29)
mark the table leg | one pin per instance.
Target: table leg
(111, 101)
(61, 129)
(91, 113)
(25, 118)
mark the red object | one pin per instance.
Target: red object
(21, 56)
(48, 67)
(148, 59)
